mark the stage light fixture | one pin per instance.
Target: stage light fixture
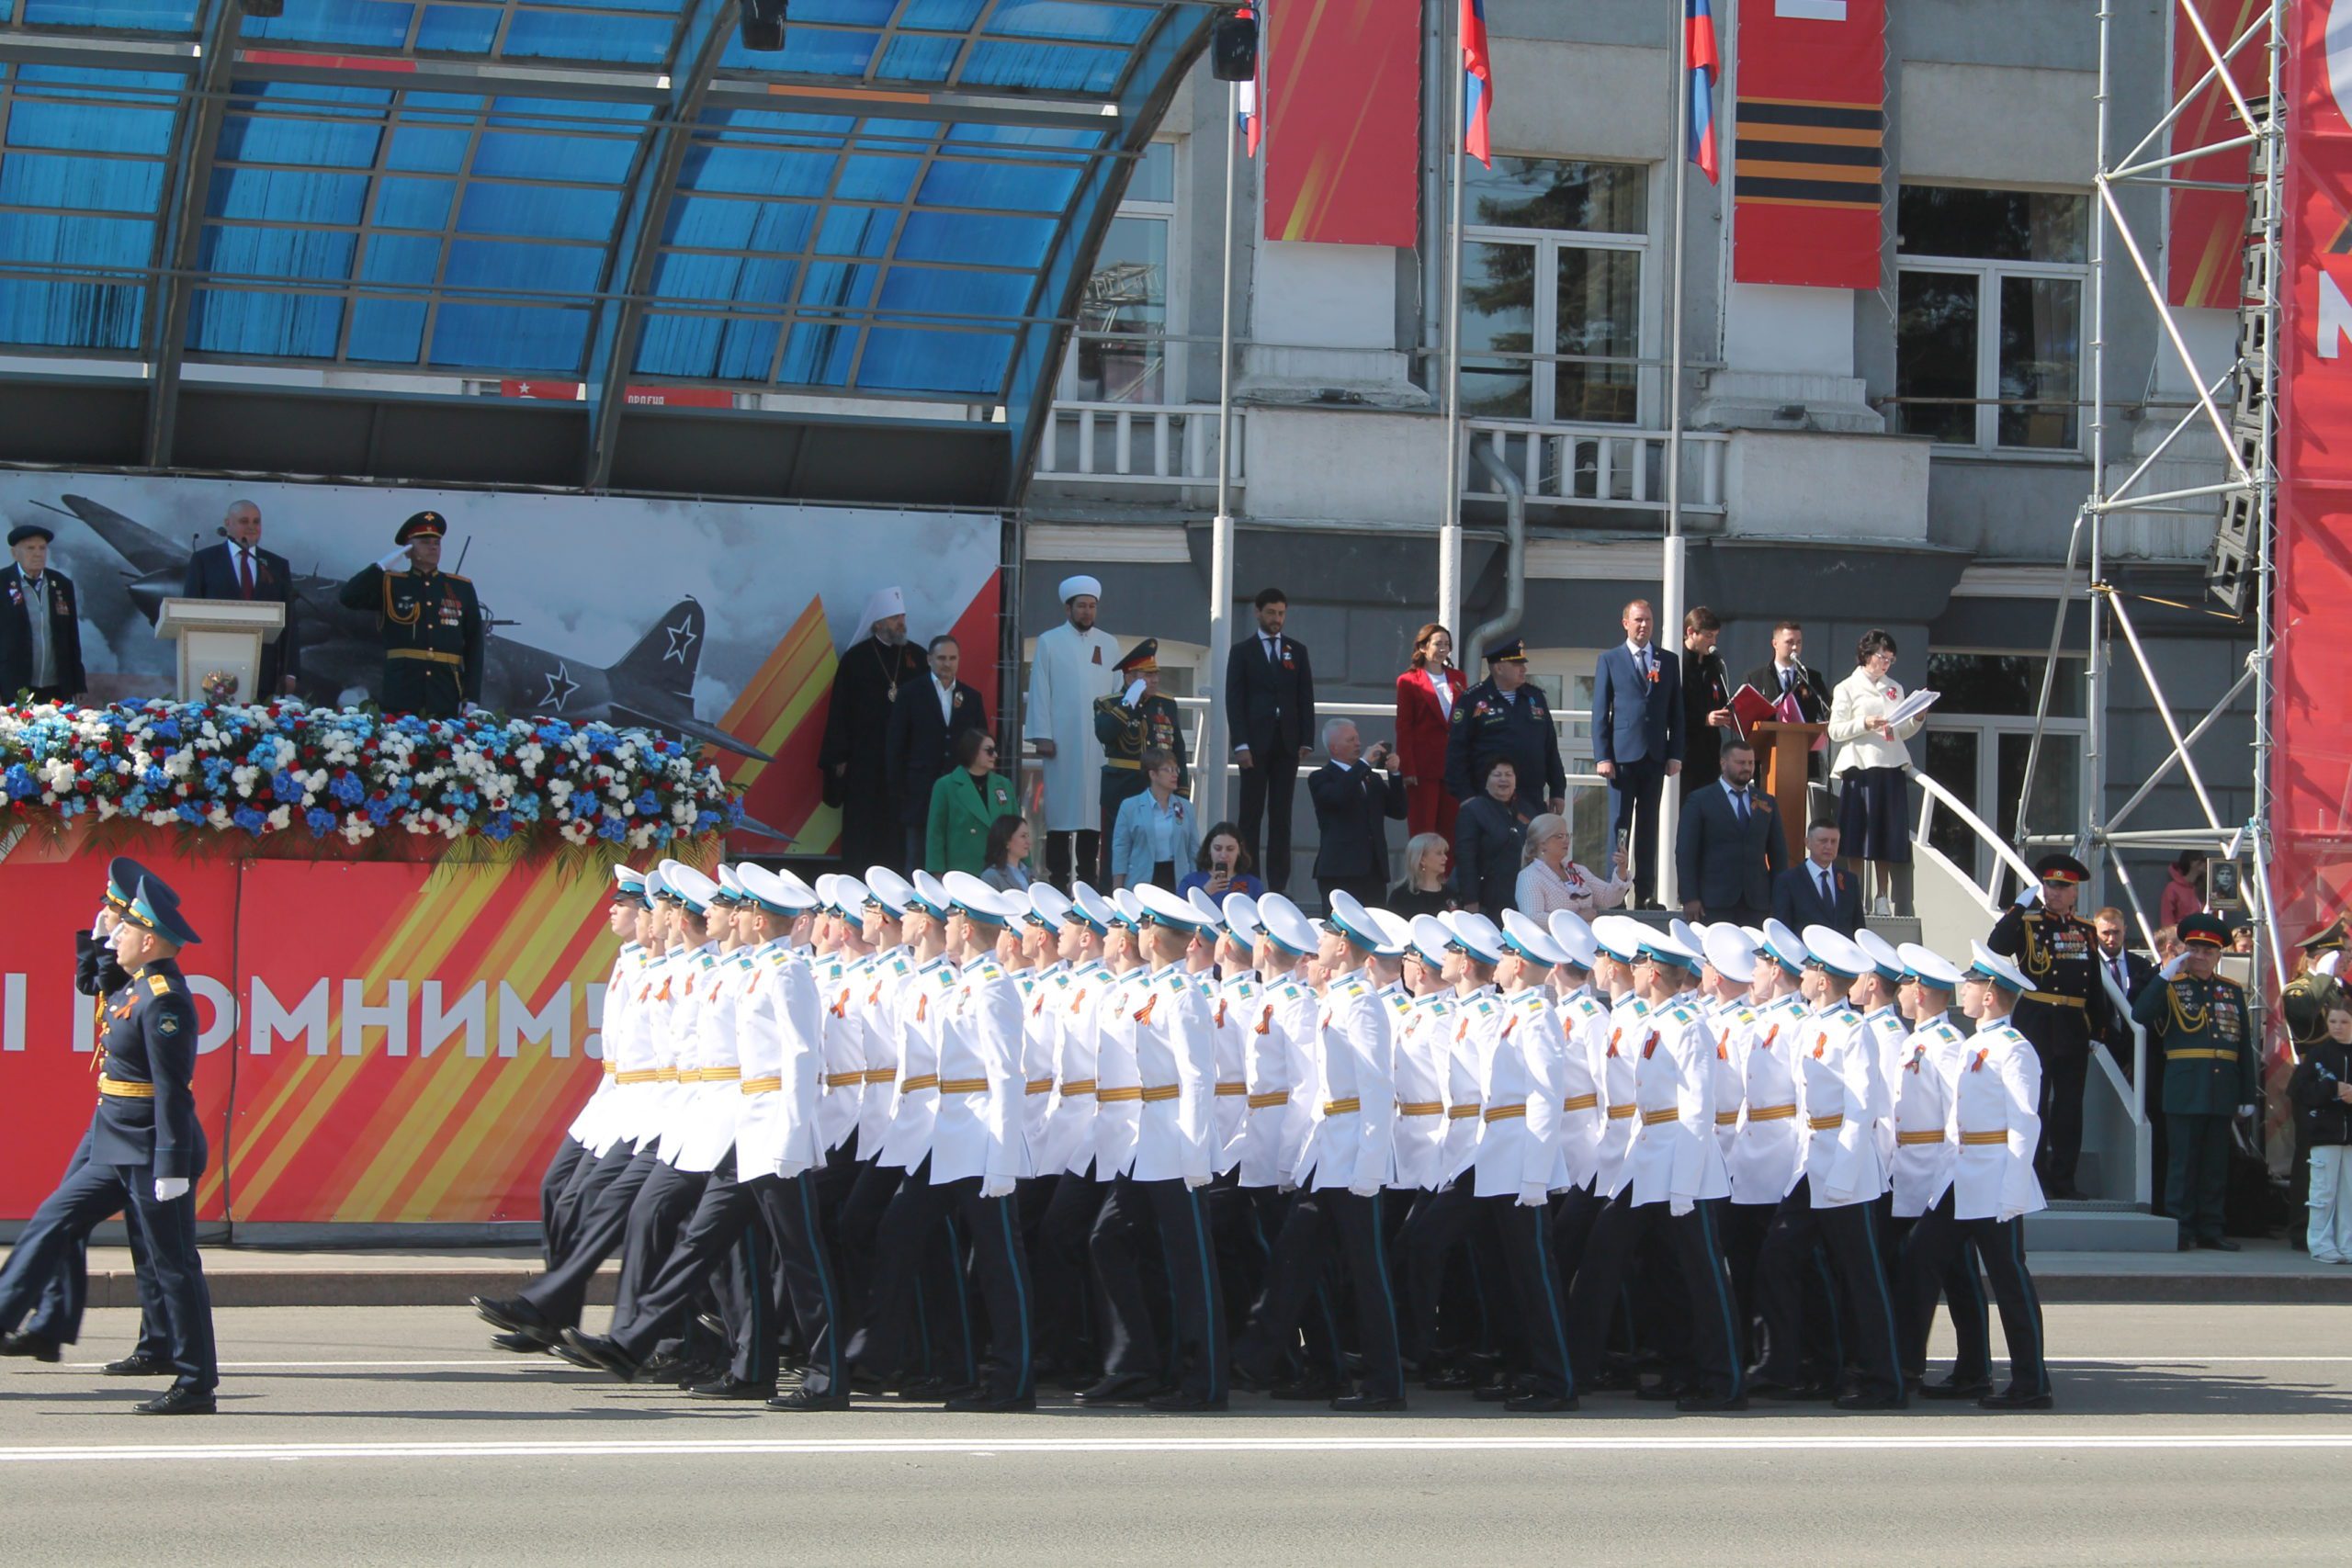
(763, 25)
(1233, 48)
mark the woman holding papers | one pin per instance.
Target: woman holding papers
(1869, 721)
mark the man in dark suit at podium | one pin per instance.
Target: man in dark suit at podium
(238, 568)
(1269, 701)
(1815, 892)
(1786, 672)
(1730, 845)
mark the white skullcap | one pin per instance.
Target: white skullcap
(885, 602)
(1073, 586)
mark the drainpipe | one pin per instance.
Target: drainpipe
(1515, 561)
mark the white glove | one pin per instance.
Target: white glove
(1195, 1183)
(996, 1186)
(1365, 1190)
(1679, 1207)
(2008, 1215)
(170, 1189)
(2245, 1109)
(1134, 694)
(2029, 896)
(1533, 1195)
(395, 558)
(99, 923)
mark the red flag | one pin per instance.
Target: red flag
(1478, 86)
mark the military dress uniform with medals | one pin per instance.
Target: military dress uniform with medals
(2066, 1010)
(432, 627)
(1129, 729)
(1517, 726)
(2210, 1069)
(144, 1140)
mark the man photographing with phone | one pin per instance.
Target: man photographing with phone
(1354, 797)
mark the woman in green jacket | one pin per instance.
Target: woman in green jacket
(966, 800)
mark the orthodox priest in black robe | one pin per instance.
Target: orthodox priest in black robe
(871, 676)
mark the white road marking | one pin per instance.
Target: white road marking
(516, 1361)
(2053, 1437)
(548, 1363)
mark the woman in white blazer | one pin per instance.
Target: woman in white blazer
(1870, 765)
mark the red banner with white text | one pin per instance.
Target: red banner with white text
(1808, 149)
(2310, 767)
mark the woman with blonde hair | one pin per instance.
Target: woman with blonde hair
(1423, 891)
(1549, 880)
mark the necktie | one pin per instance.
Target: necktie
(1272, 655)
(1739, 804)
(1829, 894)
(1642, 661)
(245, 572)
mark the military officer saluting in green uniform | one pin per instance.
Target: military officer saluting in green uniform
(431, 622)
(2304, 1004)
(1129, 722)
(2199, 1021)
(2063, 1013)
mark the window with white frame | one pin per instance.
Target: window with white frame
(1552, 258)
(1988, 327)
(1120, 353)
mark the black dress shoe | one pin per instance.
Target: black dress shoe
(1367, 1404)
(1974, 1389)
(1176, 1402)
(1451, 1380)
(732, 1388)
(1127, 1388)
(136, 1365)
(515, 1315)
(1247, 1381)
(801, 1399)
(2218, 1243)
(178, 1400)
(1539, 1403)
(1793, 1393)
(981, 1402)
(602, 1354)
(1709, 1403)
(36, 1347)
(1861, 1401)
(520, 1343)
(1307, 1391)
(2015, 1399)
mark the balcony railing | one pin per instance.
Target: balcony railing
(1136, 444)
(1596, 465)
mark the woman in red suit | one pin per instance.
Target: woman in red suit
(1426, 694)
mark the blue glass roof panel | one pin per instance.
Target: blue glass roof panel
(115, 16)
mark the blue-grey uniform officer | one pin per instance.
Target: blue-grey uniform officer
(1506, 715)
(146, 1150)
(56, 1319)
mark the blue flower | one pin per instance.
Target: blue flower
(614, 829)
(320, 821)
(646, 804)
(20, 782)
(188, 813)
(348, 789)
(252, 821)
(285, 786)
(499, 826)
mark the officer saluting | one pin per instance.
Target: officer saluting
(2065, 1010)
(1504, 717)
(146, 1150)
(2199, 1021)
(431, 620)
(1134, 720)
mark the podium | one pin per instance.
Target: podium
(1783, 754)
(221, 636)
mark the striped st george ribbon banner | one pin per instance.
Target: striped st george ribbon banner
(1809, 143)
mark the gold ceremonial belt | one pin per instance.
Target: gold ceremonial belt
(1823, 1123)
(430, 655)
(1078, 1089)
(1772, 1113)
(1659, 1118)
(637, 1075)
(1119, 1096)
(962, 1086)
(1978, 1140)
(1460, 1112)
(1153, 1093)
(1420, 1108)
(665, 1075)
(2051, 999)
(1619, 1113)
(1581, 1102)
(715, 1075)
(881, 1074)
(1232, 1091)
(1726, 1118)
(123, 1088)
(1122, 762)
(1270, 1098)
(921, 1080)
(1347, 1107)
(762, 1086)
(1040, 1085)
(844, 1080)
(1505, 1112)
(612, 1068)
(1933, 1135)
(2201, 1054)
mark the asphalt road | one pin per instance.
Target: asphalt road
(348, 1435)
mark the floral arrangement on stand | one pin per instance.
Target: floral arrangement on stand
(348, 773)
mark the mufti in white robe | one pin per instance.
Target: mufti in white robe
(1069, 670)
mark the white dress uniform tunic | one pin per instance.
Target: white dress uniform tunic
(1925, 1067)
(676, 1042)
(1615, 1043)
(1298, 1022)
(874, 998)
(980, 1114)
(840, 1108)
(1174, 1041)
(1730, 1023)
(922, 1013)
(1352, 1140)
(1420, 1076)
(1233, 1014)
(1841, 1156)
(1071, 1128)
(1583, 1116)
(1675, 1157)
(1887, 1031)
(1768, 1154)
(1521, 1088)
(1278, 1014)
(620, 991)
(782, 1032)
(1464, 1067)
(1118, 1086)
(634, 1115)
(1040, 1046)
(713, 1101)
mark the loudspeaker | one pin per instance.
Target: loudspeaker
(1233, 49)
(763, 25)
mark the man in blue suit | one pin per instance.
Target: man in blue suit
(1637, 739)
(239, 569)
(1815, 892)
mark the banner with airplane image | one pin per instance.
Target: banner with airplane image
(716, 621)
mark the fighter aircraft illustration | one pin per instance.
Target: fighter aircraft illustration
(651, 685)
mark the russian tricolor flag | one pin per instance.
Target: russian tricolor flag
(1478, 86)
(1253, 123)
(1706, 65)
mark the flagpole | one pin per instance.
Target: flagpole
(1213, 738)
(1449, 528)
(1671, 565)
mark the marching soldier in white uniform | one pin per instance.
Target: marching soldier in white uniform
(1768, 1146)
(1923, 1072)
(1443, 1220)
(1996, 1125)
(1522, 1098)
